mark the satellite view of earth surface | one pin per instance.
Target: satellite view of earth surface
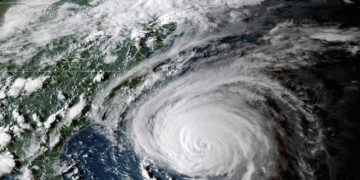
(179, 89)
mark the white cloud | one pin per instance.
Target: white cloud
(7, 163)
(5, 137)
(27, 174)
(22, 86)
(75, 111)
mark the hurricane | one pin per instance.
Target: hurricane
(206, 129)
(217, 117)
(218, 90)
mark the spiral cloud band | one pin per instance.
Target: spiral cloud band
(212, 109)
(220, 117)
(202, 125)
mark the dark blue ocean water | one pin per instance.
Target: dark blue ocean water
(97, 158)
(94, 156)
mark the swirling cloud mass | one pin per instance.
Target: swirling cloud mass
(181, 89)
(220, 117)
(207, 125)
